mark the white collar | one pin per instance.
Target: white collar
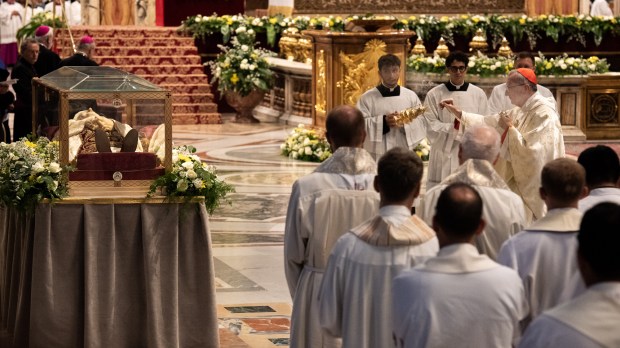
(605, 191)
(558, 220)
(458, 258)
(394, 210)
(456, 86)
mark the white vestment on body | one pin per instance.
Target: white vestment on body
(588, 321)
(72, 18)
(325, 204)
(440, 129)
(601, 8)
(380, 101)
(535, 139)
(499, 101)
(545, 257)
(31, 12)
(457, 299)
(10, 24)
(599, 195)
(503, 210)
(355, 298)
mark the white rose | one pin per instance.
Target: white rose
(54, 167)
(241, 30)
(244, 48)
(187, 165)
(301, 151)
(252, 66)
(182, 186)
(592, 67)
(294, 155)
(306, 141)
(471, 64)
(282, 147)
(197, 183)
(182, 174)
(251, 31)
(308, 150)
(563, 66)
(570, 61)
(37, 167)
(191, 174)
(425, 152)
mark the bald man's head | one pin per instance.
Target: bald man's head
(458, 212)
(479, 142)
(345, 127)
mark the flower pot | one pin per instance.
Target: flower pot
(244, 105)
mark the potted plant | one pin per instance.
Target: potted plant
(243, 74)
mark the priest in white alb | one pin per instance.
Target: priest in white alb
(544, 254)
(11, 19)
(531, 136)
(459, 298)
(381, 105)
(503, 211)
(325, 204)
(357, 284)
(443, 129)
(590, 320)
(499, 101)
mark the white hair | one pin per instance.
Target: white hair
(480, 142)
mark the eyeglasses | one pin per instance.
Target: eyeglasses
(454, 69)
(509, 87)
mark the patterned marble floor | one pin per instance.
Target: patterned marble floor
(254, 303)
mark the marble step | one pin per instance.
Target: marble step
(151, 60)
(121, 41)
(112, 31)
(137, 51)
(176, 78)
(162, 69)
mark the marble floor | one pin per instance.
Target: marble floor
(254, 304)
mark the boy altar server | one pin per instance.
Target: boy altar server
(355, 294)
(380, 106)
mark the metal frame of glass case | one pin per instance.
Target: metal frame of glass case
(88, 83)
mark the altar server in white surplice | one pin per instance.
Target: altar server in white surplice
(11, 20)
(325, 204)
(380, 105)
(602, 174)
(592, 319)
(459, 298)
(499, 101)
(544, 254)
(443, 129)
(503, 211)
(357, 284)
(531, 136)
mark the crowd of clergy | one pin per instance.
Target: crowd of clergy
(512, 244)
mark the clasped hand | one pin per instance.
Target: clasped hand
(391, 120)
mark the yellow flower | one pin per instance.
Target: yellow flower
(548, 66)
(412, 18)
(404, 21)
(273, 20)
(521, 20)
(464, 16)
(476, 19)
(613, 21)
(184, 158)
(542, 17)
(234, 79)
(444, 19)
(30, 144)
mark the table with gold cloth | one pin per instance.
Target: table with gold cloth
(108, 273)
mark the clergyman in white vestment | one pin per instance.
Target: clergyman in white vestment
(357, 285)
(380, 105)
(602, 175)
(459, 298)
(531, 136)
(499, 101)
(544, 254)
(590, 320)
(503, 210)
(325, 204)
(601, 8)
(442, 129)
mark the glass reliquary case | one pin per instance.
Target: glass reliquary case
(71, 103)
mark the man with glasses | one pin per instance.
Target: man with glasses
(443, 130)
(499, 101)
(531, 136)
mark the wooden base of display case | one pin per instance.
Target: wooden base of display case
(109, 188)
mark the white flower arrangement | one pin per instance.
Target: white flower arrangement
(423, 149)
(30, 172)
(306, 144)
(190, 177)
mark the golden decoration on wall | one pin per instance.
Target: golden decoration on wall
(504, 49)
(442, 49)
(360, 71)
(419, 48)
(321, 85)
(479, 42)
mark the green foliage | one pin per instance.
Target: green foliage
(44, 18)
(30, 172)
(190, 178)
